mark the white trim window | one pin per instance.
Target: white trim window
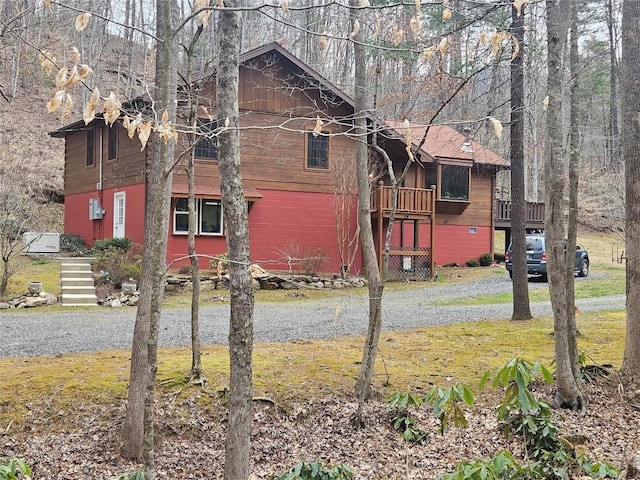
(209, 214)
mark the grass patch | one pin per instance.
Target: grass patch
(409, 360)
(29, 269)
(610, 280)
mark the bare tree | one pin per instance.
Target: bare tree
(138, 440)
(630, 87)
(569, 393)
(237, 448)
(521, 308)
(17, 212)
(376, 285)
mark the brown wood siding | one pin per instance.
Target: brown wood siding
(478, 211)
(126, 169)
(274, 158)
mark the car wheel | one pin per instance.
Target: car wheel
(583, 271)
(511, 274)
(544, 277)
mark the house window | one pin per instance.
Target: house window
(91, 147)
(208, 212)
(112, 144)
(454, 182)
(207, 146)
(318, 150)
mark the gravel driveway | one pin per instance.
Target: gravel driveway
(42, 332)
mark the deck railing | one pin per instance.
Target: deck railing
(534, 212)
(410, 200)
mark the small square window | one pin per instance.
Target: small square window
(318, 150)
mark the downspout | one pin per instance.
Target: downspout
(100, 191)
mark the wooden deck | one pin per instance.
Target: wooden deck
(417, 203)
(534, 219)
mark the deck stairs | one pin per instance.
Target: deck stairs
(76, 277)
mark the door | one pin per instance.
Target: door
(118, 214)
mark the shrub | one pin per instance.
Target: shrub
(120, 265)
(184, 270)
(486, 260)
(313, 259)
(472, 263)
(315, 471)
(116, 243)
(73, 244)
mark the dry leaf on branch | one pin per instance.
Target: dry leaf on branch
(204, 15)
(376, 25)
(75, 55)
(284, 4)
(418, 7)
(82, 21)
(61, 78)
(497, 42)
(497, 127)
(545, 103)
(428, 53)
(144, 132)
(74, 77)
(85, 71)
(446, 15)
(318, 128)
(47, 61)
(415, 25)
(91, 106)
(356, 28)
(518, 4)
(323, 40)
(56, 101)
(111, 109)
(46, 4)
(442, 46)
(132, 125)
(365, 3)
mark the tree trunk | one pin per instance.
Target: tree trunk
(376, 285)
(568, 393)
(630, 87)
(238, 445)
(574, 177)
(521, 307)
(614, 131)
(138, 429)
(196, 354)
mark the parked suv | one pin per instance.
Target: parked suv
(537, 258)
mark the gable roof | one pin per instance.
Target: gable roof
(305, 71)
(443, 142)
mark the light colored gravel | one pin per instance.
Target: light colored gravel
(45, 332)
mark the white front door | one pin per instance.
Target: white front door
(118, 214)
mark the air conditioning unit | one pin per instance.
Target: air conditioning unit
(36, 242)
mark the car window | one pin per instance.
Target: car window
(534, 243)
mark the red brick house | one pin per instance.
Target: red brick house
(290, 177)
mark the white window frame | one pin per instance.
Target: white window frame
(199, 208)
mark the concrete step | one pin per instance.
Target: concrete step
(78, 299)
(76, 279)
